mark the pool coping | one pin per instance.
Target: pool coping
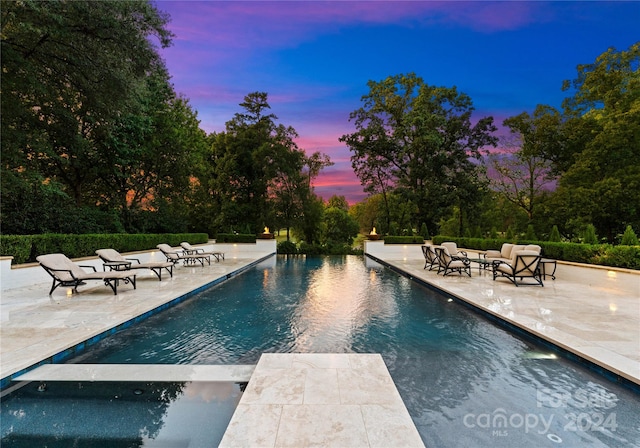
(79, 347)
(567, 351)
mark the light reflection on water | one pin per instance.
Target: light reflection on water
(459, 375)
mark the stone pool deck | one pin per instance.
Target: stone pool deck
(589, 311)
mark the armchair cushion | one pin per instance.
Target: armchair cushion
(505, 251)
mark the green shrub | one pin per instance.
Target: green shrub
(310, 249)
(589, 236)
(620, 256)
(424, 231)
(554, 236)
(235, 238)
(16, 246)
(414, 239)
(85, 245)
(552, 249)
(579, 253)
(629, 238)
(287, 247)
(510, 234)
(531, 233)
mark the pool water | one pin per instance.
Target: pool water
(118, 414)
(465, 381)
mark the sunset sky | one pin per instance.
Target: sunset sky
(314, 58)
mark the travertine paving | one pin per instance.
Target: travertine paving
(592, 311)
(325, 400)
(329, 400)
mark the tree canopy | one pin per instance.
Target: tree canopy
(419, 141)
(71, 73)
(602, 184)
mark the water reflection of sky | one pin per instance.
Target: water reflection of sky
(446, 360)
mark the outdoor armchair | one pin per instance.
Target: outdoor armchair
(67, 273)
(523, 265)
(449, 263)
(453, 249)
(430, 257)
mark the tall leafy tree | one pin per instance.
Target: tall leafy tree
(68, 70)
(421, 140)
(602, 184)
(522, 172)
(152, 155)
(260, 176)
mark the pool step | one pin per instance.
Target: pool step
(138, 372)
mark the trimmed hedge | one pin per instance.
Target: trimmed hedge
(25, 248)
(600, 254)
(415, 239)
(235, 238)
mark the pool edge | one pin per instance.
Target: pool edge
(601, 369)
(79, 347)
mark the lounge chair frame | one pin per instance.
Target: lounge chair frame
(430, 257)
(190, 250)
(176, 256)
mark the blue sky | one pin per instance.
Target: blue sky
(314, 58)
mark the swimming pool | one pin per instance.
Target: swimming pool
(464, 381)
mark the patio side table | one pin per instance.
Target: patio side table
(543, 267)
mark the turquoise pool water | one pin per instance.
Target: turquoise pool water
(465, 381)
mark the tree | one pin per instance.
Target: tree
(68, 69)
(259, 175)
(554, 236)
(522, 172)
(419, 139)
(339, 227)
(602, 185)
(242, 161)
(152, 156)
(629, 238)
(338, 202)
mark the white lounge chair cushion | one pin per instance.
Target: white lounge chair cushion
(505, 251)
(114, 255)
(533, 247)
(62, 262)
(518, 264)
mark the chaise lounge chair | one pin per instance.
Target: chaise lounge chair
(67, 273)
(523, 264)
(448, 263)
(189, 249)
(176, 256)
(115, 261)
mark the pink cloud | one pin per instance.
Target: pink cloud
(260, 24)
(339, 183)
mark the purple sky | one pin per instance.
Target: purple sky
(314, 58)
